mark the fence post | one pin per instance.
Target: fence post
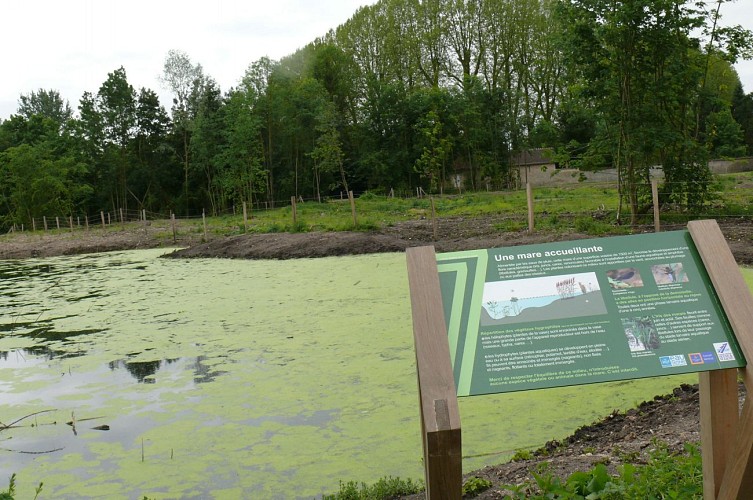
(245, 218)
(294, 209)
(109, 219)
(204, 221)
(33, 224)
(102, 215)
(655, 197)
(122, 220)
(57, 222)
(86, 222)
(44, 219)
(529, 196)
(433, 218)
(70, 222)
(353, 208)
(172, 223)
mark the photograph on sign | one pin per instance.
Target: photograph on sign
(581, 312)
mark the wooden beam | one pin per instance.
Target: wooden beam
(440, 418)
(735, 298)
(738, 478)
(719, 420)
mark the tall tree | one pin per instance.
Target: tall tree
(180, 75)
(117, 104)
(47, 103)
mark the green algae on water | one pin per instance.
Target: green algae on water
(237, 378)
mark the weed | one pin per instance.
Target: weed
(387, 487)
(475, 485)
(521, 455)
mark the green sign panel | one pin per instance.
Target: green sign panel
(579, 312)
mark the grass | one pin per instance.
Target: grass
(587, 208)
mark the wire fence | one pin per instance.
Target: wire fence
(586, 207)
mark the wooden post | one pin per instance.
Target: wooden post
(529, 196)
(204, 220)
(719, 418)
(122, 220)
(33, 224)
(86, 222)
(655, 198)
(440, 417)
(433, 218)
(102, 215)
(353, 208)
(78, 221)
(44, 219)
(109, 219)
(172, 223)
(70, 222)
(294, 209)
(245, 218)
(143, 214)
(730, 451)
(57, 222)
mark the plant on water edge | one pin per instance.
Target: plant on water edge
(386, 487)
(9, 494)
(666, 476)
(475, 485)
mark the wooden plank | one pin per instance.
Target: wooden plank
(728, 282)
(440, 417)
(737, 303)
(719, 420)
(738, 478)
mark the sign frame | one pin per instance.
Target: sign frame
(726, 434)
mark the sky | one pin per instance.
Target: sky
(71, 45)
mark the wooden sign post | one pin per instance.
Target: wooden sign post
(726, 434)
(440, 418)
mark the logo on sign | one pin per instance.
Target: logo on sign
(672, 361)
(695, 358)
(723, 351)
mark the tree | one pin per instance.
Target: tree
(47, 103)
(116, 100)
(180, 76)
(642, 71)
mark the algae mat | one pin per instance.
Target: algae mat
(235, 379)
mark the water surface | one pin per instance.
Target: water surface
(235, 379)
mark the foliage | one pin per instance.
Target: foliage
(406, 95)
(475, 485)
(666, 475)
(10, 493)
(387, 487)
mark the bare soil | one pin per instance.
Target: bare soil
(672, 419)
(452, 234)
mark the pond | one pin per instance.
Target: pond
(235, 379)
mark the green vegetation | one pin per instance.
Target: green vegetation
(441, 96)
(387, 487)
(475, 485)
(666, 475)
(10, 493)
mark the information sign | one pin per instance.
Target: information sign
(582, 311)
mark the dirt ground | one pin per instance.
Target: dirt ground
(452, 234)
(673, 419)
